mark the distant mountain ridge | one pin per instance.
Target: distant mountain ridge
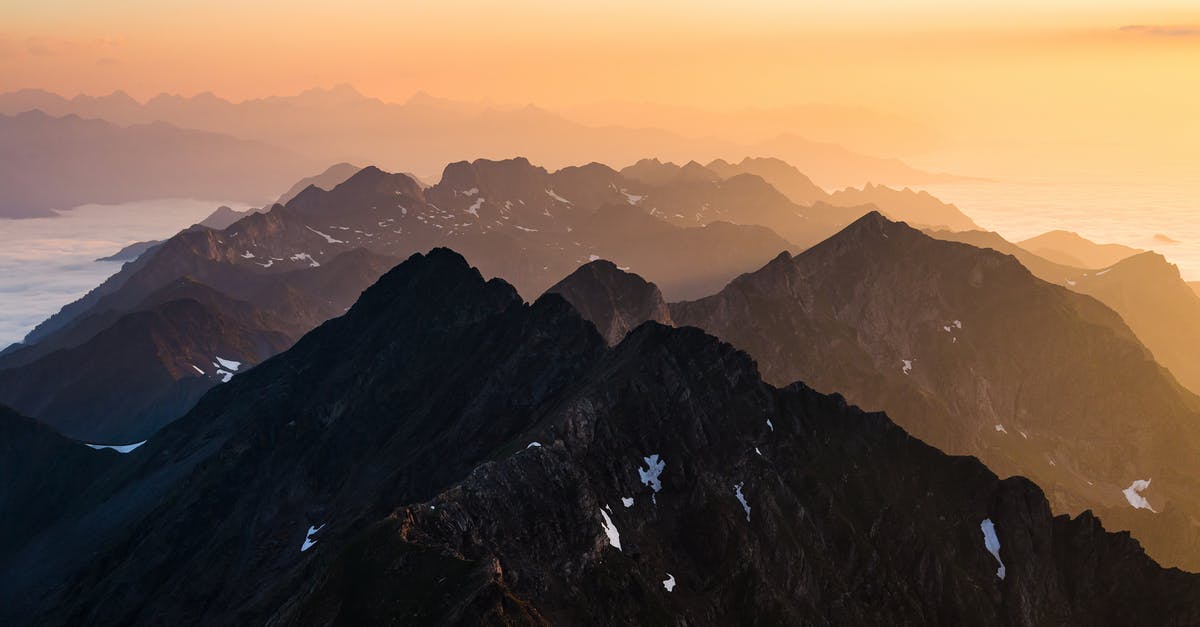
(62, 162)
(1071, 249)
(1145, 289)
(425, 133)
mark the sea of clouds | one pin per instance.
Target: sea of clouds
(46, 263)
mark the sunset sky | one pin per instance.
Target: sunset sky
(1082, 87)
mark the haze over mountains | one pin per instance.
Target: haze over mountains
(61, 162)
(262, 402)
(420, 135)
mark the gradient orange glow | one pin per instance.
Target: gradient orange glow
(1020, 88)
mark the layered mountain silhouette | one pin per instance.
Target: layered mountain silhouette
(330, 178)
(783, 176)
(349, 480)
(972, 353)
(141, 354)
(425, 133)
(613, 300)
(919, 208)
(1145, 289)
(61, 162)
(1071, 249)
(295, 266)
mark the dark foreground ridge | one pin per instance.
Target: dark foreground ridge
(447, 454)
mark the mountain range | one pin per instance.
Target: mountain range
(425, 133)
(256, 421)
(50, 163)
(349, 480)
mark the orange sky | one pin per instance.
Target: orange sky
(1016, 86)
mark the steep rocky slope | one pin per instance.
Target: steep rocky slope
(351, 481)
(970, 352)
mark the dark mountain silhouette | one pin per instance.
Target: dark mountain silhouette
(780, 174)
(333, 176)
(40, 470)
(425, 133)
(350, 481)
(969, 351)
(613, 300)
(62, 162)
(919, 208)
(1071, 249)
(120, 375)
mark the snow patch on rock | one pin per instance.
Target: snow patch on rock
(650, 474)
(1133, 494)
(614, 536)
(992, 543)
(120, 448)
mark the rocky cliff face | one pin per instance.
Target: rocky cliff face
(970, 352)
(446, 454)
(613, 300)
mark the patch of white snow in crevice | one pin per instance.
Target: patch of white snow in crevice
(1133, 494)
(197, 369)
(1103, 272)
(308, 541)
(550, 193)
(992, 543)
(312, 263)
(534, 445)
(737, 491)
(627, 501)
(770, 425)
(474, 208)
(329, 239)
(226, 368)
(614, 536)
(908, 365)
(1001, 429)
(470, 192)
(120, 448)
(669, 582)
(650, 474)
(632, 199)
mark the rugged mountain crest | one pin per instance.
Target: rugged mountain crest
(969, 351)
(614, 300)
(655, 482)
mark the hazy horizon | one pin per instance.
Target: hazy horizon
(1053, 90)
